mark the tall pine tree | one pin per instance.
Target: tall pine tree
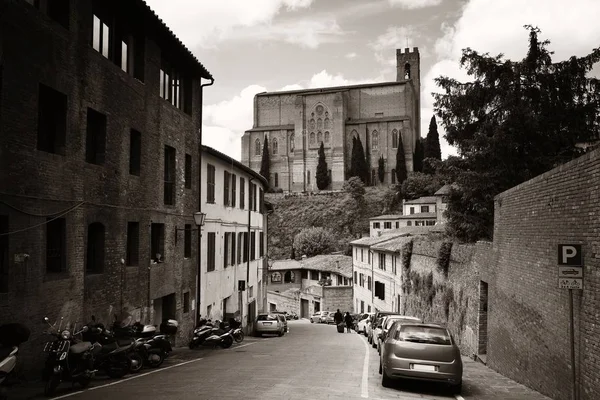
(265, 162)
(401, 173)
(322, 175)
(432, 143)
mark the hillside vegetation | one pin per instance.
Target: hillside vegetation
(336, 211)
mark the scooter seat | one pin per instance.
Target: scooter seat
(80, 347)
(124, 342)
(5, 352)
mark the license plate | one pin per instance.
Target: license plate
(267, 323)
(425, 368)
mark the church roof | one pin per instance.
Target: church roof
(333, 88)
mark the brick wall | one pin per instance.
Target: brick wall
(43, 184)
(340, 297)
(528, 314)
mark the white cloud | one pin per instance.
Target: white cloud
(395, 37)
(205, 23)
(351, 55)
(413, 4)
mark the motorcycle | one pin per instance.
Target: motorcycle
(11, 337)
(153, 348)
(68, 359)
(237, 332)
(207, 335)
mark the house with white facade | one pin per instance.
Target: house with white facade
(233, 240)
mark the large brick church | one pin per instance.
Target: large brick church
(296, 122)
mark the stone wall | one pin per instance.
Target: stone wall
(340, 297)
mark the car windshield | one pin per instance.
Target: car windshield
(266, 317)
(424, 334)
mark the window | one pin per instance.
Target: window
(308, 177)
(424, 208)
(240, 247)
(253, 246)
(135, 152)
(380, 290)
(124, 56)
(275, 146)
(319, 123)
(261, 201)
(319, 137)
(226, 188)
(397, 225)
(187, 241)
(376, 225)
(157, 242)
(133, 243)
(188, 171)
(304, 274)
(233, 189)
(210, 183)
(327, 123)
(276, 179)
(327, 137)
(186, 302)
(412, 210)
(430, 223)
(52, 120)
(4, 254)
(261, 244)
(387, 225)
(242, 193)
(369, 282)
(355, 277)
(375, 140)
(101, 37)
(292, 143)
(312, 138)
(362, 280)
(361, 257)
(246, 247)
(232, 262)
(55, 245)
(226, 245)
(408, 223)
(362, 306)
(58, 10)
(257, 149)
(252, 199)
(95, 249)
(169, 176)
(210, 252)
(175, 88)
(95, 143)
(314, 275)
(382, 261)
(395, 139)
(289, 277)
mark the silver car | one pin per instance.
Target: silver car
(425, 352)
(269, 323)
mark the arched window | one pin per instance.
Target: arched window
(327, 123)
(395, 139)
(393, 176)
(292, 142)
(312, 124)
(407, 71)
(276, 179)
(257, 147)
(275, 149)
(375, 140)
(288, 277)
(326, 137)
(319, 137)
(319, 123)
(94, 262)
(354, 134)
(312, 138)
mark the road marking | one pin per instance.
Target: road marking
(127, 379)
(240, 346)
(459, 397)
(365, 374)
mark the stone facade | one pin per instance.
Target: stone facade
(72, 195)
(338, 298)
(296, 122)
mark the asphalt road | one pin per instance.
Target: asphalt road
(312, 361)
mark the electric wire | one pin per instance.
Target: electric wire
(45, 222)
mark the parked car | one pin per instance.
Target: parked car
(363, 320)
(387, 323)
(418, 351)
(375, 320)
(269, 323)
(318, 317)
(283, 317)
(329, 317)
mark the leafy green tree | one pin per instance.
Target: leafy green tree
(322, 174)
(400, 162)
(358, 165)
(512, 122)
(381, 169)
(432, 142)
(265, 162)
(314, 241)
(419, 155)
(355, 188)
(419, 184)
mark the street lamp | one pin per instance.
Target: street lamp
(199, 218)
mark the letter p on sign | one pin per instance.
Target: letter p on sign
(570, 254)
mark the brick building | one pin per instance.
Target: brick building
(100, 109)
(296, 122)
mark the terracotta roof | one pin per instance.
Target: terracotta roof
(394, 245)
(419, 215)
(368, 241)
(419, 230)
(285, 264)
(389, 216)
(422, 200)
(235, 163)
(335, 263)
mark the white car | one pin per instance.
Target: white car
(318, 317)
(361, 325)
(386, 324)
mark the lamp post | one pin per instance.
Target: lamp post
(199, 218)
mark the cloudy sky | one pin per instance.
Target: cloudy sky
(252, 46)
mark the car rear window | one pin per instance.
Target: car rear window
(390, 321)
(424, 334)
(265, 317)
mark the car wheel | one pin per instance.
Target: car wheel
(281, 333)
(386, 381)
(457, 389)
(311, 321)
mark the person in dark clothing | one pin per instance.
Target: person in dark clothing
(338, 318)
(349, 322)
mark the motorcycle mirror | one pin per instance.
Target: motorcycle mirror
(84, 329)
(46, 319)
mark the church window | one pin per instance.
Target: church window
(275, 149)
(375, 140)
(312, 138)
(292, 142)
(327, 123)
(319, 137)
(257, 147)
(320, 109)
(407, 71)
(319, 123)
(312, 124)
(326, 137)
(395, 139)
(354, 134)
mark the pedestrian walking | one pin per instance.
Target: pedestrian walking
(349, 322)
(338, 317)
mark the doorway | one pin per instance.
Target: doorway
(165, 308)
(304, 308)
(317, 306)
(483, 320)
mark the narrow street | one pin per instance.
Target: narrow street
(312, 361)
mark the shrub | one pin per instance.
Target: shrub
(355, 187)
(314, 241)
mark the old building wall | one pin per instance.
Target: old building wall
(338, 297)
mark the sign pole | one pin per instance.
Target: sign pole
(572, 346)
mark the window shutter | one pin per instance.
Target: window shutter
(226, 188)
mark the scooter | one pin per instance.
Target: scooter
(152, 347)
(11, 337)
(206, 335)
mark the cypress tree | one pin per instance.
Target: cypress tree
(322, 175)
(381, 169)
(362, 166)
(265, 162)
(432, 143)
(401, 173)
(418, 155)
(367, 157)
(354, 160)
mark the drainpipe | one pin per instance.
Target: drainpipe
(198, 250)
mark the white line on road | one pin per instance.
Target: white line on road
(459, 397)
(128, 379)
(365, 375)
(240, 346)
